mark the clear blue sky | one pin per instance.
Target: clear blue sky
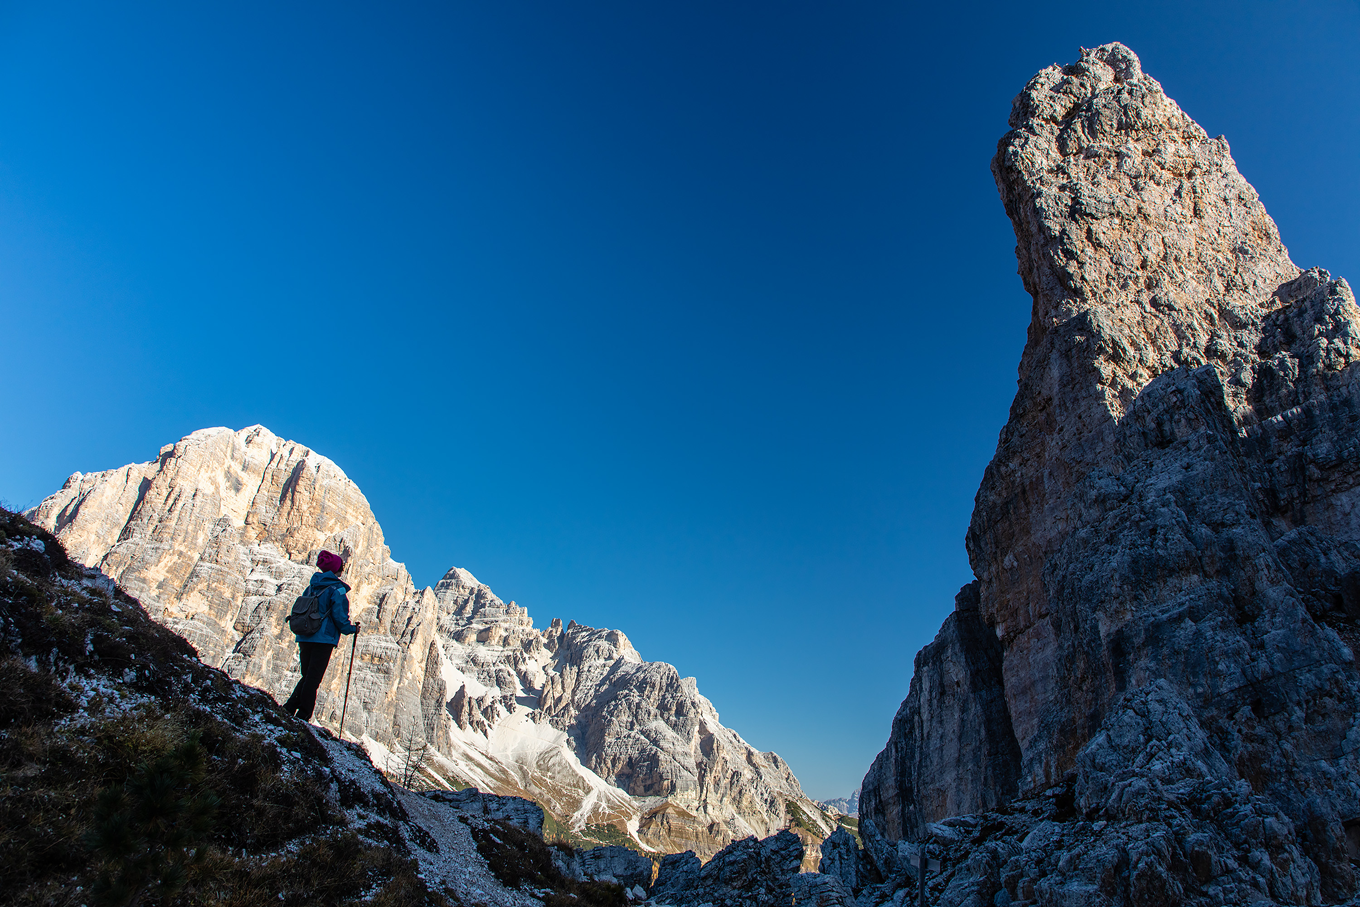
(698, 320)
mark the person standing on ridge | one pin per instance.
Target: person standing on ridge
(314, 652)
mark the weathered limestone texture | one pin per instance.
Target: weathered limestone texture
(840, 858)
(515, 810)
(954, 723)
(613, 863)
(1167, 600)
(218, 535)
(746, 873)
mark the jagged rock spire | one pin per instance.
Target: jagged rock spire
(1167, 527)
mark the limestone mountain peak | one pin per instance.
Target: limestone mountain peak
(218, 535)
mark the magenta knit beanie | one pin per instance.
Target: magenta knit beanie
(327, 561)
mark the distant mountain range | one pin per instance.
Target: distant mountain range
(846, 806)
(218, 534)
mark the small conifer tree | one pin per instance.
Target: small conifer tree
(148, 833)
(415, 751)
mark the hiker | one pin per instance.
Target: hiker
(314, 652)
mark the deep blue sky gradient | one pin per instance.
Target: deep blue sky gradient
(698, 320)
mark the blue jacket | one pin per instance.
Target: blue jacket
(334, 604)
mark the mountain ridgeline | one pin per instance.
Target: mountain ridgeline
(218, 535)
(1162, 630)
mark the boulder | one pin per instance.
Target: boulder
(616, 864)
(817, 890)
(746, 873)
(840, 859)
(676, 877)
(515, 810)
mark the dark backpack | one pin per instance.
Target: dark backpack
(307, 617)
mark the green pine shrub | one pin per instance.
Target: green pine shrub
(148, 833)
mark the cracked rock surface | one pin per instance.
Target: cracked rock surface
(1161, 634)
(746, 873)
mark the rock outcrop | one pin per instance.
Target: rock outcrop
(217, 536)
(1167, 604)
(746, 873)
(612, 863)
(516, 811)
(840, 858)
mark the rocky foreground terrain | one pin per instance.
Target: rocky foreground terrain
(218, 535)
(133, 773)
(1149, 694)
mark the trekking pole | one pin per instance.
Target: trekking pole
(924, 875)
(348, 674)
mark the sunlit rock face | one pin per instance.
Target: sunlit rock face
(218, 535)
(220, 532)
(1165, 542)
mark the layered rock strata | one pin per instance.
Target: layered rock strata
(1167, 594)
(217, 536)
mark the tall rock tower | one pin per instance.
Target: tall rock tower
(1165, 542)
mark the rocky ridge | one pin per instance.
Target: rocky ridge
(845, 806)
(1149, 694)
(105, 711)
(216, 537)
(101, 699)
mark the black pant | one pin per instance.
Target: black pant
(314, 657)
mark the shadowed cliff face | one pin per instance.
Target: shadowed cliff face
(1174, 503)
(954, 724)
